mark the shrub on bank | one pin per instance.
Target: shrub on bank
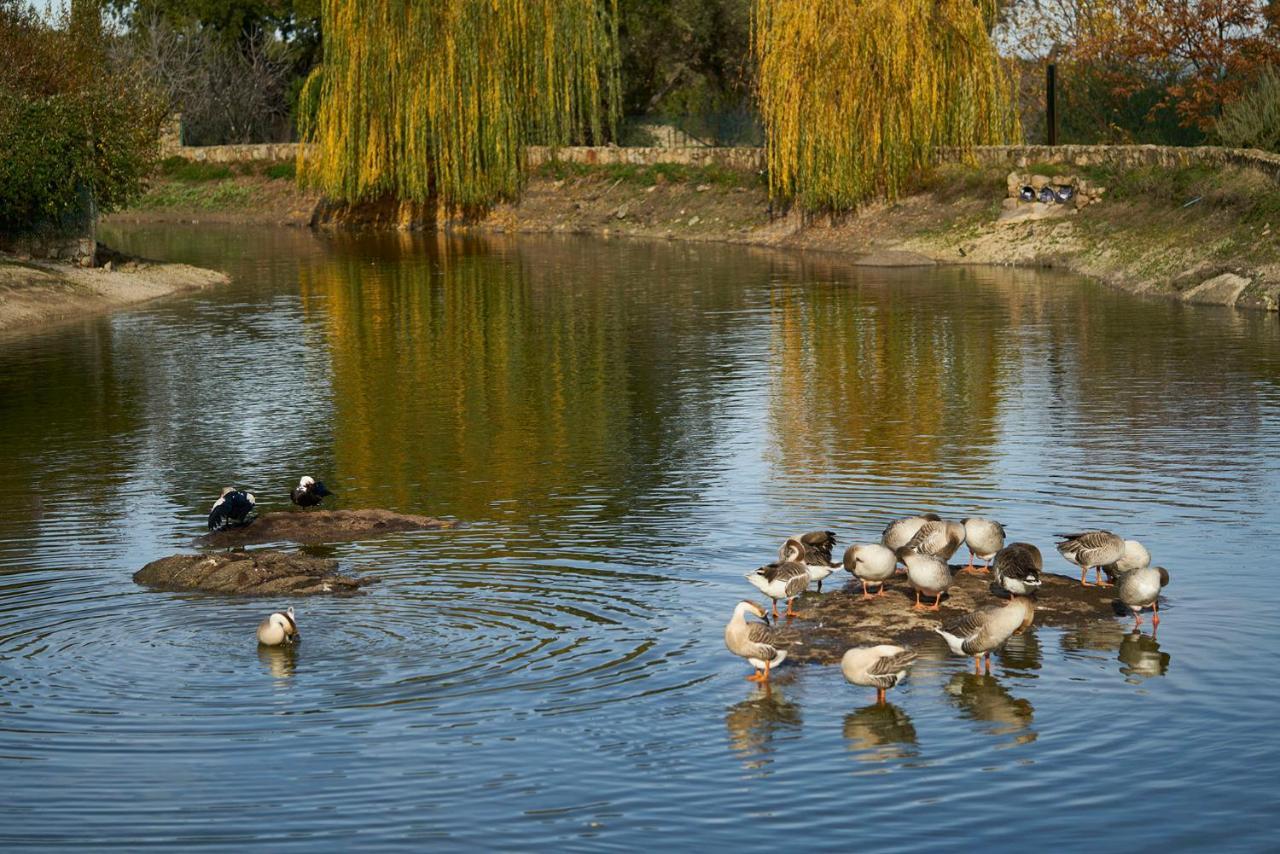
(1254, 120)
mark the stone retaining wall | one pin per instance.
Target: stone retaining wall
(1128, 156)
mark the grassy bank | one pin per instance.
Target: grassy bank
(251, 192)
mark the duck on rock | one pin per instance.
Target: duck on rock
(309, 492)
(232, 509)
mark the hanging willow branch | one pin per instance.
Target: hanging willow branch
(425, 101)
(855, 94)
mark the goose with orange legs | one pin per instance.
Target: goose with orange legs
(756, 642)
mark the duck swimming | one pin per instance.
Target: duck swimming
(755, 642)
(278, 628)
(232, 509)
(309, 492)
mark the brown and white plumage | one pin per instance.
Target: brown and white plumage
(814, 551)
(1140, 588)
(870, 563)
(880, 667)
(1091, 549)
(782, 580)
(984, 537)
(278, 628)
(938, 538)
(980, 632)
(1017, 568)
(1135, 556)
(755, 642)
(928, 574)
(900, 531)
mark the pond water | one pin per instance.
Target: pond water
(626, 429)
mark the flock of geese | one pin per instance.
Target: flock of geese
(924, 544)
(234, 509)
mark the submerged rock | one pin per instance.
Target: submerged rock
(829, 623)
(263, 573)
(321, 526)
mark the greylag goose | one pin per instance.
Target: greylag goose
(984, 537)
(309, 492)
(981, 632)
(783, 580)
(1017, 568)
(1135, 556)
(232, 509)
(278, 628)
(755, 642)
(880, 667)
(938, 538)
(900, 531)
(871, 563)
(814, 552)
(1091, 549)
(927, 574)
(1140, 588)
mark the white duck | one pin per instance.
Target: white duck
(280, 627)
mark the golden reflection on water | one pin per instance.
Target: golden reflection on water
(279, 662)
(880, 732)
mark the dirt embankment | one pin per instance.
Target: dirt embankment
(36, 292)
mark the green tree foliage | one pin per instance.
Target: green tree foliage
(71, 128)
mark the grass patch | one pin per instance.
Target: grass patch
(181, 169)
(285, 171)
(657, 173)
(196, 196)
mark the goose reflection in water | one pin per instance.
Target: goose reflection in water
(279, 661)
(880, 732)
(983, 698)
(753, 723)
(1141, 658)
(1022, 652)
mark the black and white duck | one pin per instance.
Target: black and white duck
(309, 492)
(232, 509)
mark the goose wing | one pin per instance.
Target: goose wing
(818, 546)
(969, 628)
(765, 641)
(884, 670)
(928, 538)
(795, 577)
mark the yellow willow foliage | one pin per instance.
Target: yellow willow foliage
(855, 94)
(435, 99)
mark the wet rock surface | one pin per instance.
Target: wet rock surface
(321, 526)
(831, 622)
(261, 573)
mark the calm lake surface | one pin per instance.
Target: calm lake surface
(626, 429)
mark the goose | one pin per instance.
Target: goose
(1135, 556)
(1091, 549)
(232, 509)
(987, 629)
(938, 538)
(880, 667)
(814, 552)
(756, 642)
(984, 537)
(280, 627)
(1140, 588)
(871, 562)
(1017, 567)
(900, 531)
(786, 579)
(927, 574)
(309, 492)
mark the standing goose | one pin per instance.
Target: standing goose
(815, 553)
(871, 563)
(1135, 556)
(278, 628)
(1140, 588)
(937, 538)
(309, 492)
(900, 531)
(786, 579)
(1091, 549)
(987, 629)
(755, 642)
(927, 574)
(232, 509)
(984, 537)
(880, 667)
(1017, 567)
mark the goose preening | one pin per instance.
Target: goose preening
(880, 667)
(871, 563)
(900, 531)
(1135, 556)
(786, 579)
(984, 537)
(936, 537)
(280, 627)
(1091, 549)
(927, 574)
(755, 642)
(814, 551)
(1017, 568)
(1140, 588)
(987, 629)
(232, 509)
(309, 492)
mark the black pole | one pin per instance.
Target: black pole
(1050, 97)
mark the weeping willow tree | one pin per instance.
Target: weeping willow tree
(855, 94)
(424, 101)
